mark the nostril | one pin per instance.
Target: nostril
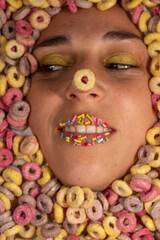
(72, 95)
(93, 94)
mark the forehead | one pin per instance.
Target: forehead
(89, 22)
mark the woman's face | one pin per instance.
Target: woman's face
(120, 96)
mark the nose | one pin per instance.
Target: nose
(84, 87)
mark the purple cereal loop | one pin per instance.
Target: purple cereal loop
(26, 86)
(19, 111)
(21, 13)
(53, 10)
(2, 116)
(53, 190)
(5, 215)
(3, 16)
(18, 162)
(27, 186)
(152, 24)
(116, 208)
(8, 193)
(133, 204)
(103, 200)
(70, 228)
(3, 125)
(8, 60)
(25, 198)
(49, 185)
(8, 159)
(39, 219)
(153, 173)
(44, 203)
(24, 66)
(6, 220)
(8, 29)
(95, 211)
(7, 226)
(50, 230)
(36, 33)
(146, 154)
(155, 210)
(12, 95)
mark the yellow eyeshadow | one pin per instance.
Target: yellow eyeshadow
(122, 58)
(57, 59)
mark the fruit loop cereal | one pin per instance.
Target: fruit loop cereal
(32, 201)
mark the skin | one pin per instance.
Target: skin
(120, 97)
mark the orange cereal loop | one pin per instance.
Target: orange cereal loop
(15, 3)
(40, 19)
(15, 78)
(13, 49)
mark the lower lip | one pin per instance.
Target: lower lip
(85, 139)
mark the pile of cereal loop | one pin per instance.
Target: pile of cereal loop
(33, 204)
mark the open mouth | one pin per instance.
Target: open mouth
(85, 130)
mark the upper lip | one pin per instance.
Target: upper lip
(101, 123)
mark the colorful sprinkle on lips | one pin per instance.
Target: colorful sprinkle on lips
(85, 130)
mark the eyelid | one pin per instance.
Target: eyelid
(122, 58)
(56, 59)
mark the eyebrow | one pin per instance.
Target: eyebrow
(66, 40)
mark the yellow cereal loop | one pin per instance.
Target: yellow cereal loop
(6, 201)
(40, 25)
(156, 181)
(112, 238)
(84, 80)
(142, 24)
(1, 180)
(46, 175)
(94, 1)
(81, 228)
(3, 42)
(132, 4)
(128, 178)
(110, 226)
(13, 231)
(12, 9)
(75, 196)
(121, 188)
(2, 64)
(151, 37)
(150, 136)
(11, 175)
(58, 213)
(28, 231)
(154, 49)
(155, 66)
(45, 4)
(3, 84)
(15, 78)
(148, 205)
(14, 54)
(87, 237)
(2, 145)
(156, 163)
(149, 3)
(106, 4)
(62, 235)
(15, 3)
(25, 157)
(148, 222)
(61, 197)
(96, 231)
(38, 233)
(88, 199)
(13, 188)
(154, 85)
(37, 157)
(2, 237)
(140, 168)
(36, 3)
(16, 143)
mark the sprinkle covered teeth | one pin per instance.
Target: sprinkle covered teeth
(85, 130)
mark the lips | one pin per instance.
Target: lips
(85, 130)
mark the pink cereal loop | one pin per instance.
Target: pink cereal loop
(8, 159)
(155, 9)
(23, 27)
(3, 106)
(111, 196)
(131, 222)
(155, 98)
(12, 95)
(33, 62)
(139, 234)
(151, 195)
(3, 4)
(22, 215)
(31, 171)
(35, 191)
(72, 6)
(140, 185)
(136, 14)
(9, 139)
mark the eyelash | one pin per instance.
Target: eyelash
(110, 66)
